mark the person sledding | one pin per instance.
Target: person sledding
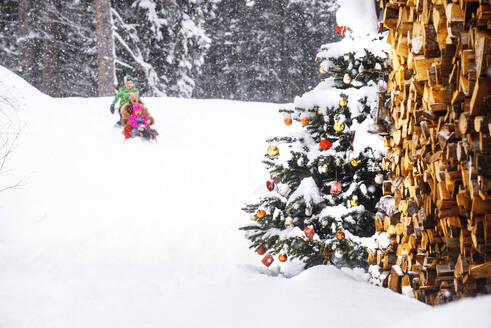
(139, 125)
(123, 96)
(127, 110)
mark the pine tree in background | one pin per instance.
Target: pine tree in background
(319, 205)
(259, 48)
(163, 43)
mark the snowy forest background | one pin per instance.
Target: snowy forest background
(234, 49)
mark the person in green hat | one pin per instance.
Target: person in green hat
(123, 95)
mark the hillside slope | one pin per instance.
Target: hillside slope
(107, 233)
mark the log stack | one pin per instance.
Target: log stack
(438, 150)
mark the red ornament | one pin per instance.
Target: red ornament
(335, 188)
(325, 144)
(261, 251)
(267, 260)
(381, 27)
(309, 232)
(282, 257)
(341, 29)
(340, 235)
(270, 185)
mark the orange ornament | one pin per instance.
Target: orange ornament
(340, 235)
(261, 213)
(288, 121)
(282, 257)
(305, 121)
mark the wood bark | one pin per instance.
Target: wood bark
(105, 48)
(27, 45)
(51, 49)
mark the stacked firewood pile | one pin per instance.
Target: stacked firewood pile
(437, 225)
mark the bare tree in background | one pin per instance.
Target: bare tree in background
(51, 49)
(105, 48)
(26, 43)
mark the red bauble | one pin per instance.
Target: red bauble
(309, 232)
(267, 260)
(325, 144)
(335, 188)
(282, 257)
(341, 29)
(261, 251)
(340, 235)
(270, 185)
(381, 27)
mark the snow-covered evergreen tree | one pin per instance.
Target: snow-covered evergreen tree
(319, 205)
(163, 42)
(8, 27)
(260, 48)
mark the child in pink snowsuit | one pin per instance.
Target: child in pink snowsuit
(138, 120)
(139, 124)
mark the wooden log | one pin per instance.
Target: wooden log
(395, 278)
(482, 51)
(389, 260)
(391, 16)
(455, 19)
(480, 270)
(480, 207)
(480, 123)
(372, 258)
(480, 97)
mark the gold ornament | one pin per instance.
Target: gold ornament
(253, 218)
(354, 162)
(322, 70)
(319, 111)
(343, 103)
(347, 78)
(353, 202)
(339, 126)
(273, 151)
(288, 221)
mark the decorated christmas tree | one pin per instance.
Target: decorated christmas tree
(319, 204)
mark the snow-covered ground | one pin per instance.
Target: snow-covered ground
(107, 233)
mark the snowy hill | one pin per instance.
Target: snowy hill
(107, 233)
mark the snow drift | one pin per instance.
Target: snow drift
(107, 233)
